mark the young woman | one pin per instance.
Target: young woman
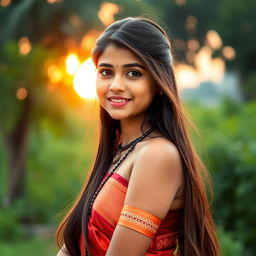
(145, 194)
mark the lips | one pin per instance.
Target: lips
(118, 99)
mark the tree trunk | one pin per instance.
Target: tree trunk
(17, 143)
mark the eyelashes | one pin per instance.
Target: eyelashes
(105, 72)
(108, 72)
(134, 73)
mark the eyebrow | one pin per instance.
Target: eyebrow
(130, 65)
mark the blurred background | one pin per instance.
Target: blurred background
(49, 112)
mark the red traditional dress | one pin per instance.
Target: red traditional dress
(108, 210)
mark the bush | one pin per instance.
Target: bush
(229, 133)
(229, 246)
(10, 228)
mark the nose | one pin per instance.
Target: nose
(117, 84)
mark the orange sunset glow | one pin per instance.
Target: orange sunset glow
(204, 66)
(84, 80)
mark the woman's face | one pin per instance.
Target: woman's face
(124, 86)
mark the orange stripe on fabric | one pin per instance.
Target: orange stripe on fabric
(139, 220)
(110, 200)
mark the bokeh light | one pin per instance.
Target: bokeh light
(229, 52)
(24, 46)
(107, 12)
(21, 93)
(179, 44)
(54, 1)
(88, 41)
(5, 3)
(186, 76)
(206, 69)
(193, 45)
(72, 63)
(85, 80)
(213, 39)
(75, 20)
(191, 23)
(180, 2)
(54, 73)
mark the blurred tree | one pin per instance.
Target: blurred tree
(26, 98)
(191, 20)
(23, 73)
(53, 25)
(48, 23)
(236, 22)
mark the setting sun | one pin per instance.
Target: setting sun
(72, 64)
(84, 80)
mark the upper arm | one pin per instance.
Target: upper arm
(155, 179)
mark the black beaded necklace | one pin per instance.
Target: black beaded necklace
(120, 149)
(132, 146)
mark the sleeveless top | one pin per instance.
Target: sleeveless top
(105, 214)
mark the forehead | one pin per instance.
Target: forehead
(118, 56)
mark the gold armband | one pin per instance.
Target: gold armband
(139, 220)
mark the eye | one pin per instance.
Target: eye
(134, 73)
(105, 72)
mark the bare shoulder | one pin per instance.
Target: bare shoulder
(162, 151)
(156, 175)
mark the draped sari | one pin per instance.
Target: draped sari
(105, 215)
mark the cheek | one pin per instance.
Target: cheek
(101, 89)
(145, 92)
(101, 93)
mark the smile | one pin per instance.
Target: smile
(118, 102)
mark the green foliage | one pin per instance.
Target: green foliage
(229, 133)
(36, 246)
(249, 89)
(229, 246)
(29, 72)
(3, 166)
(10, 228)
(57, 166)
(38, 20)
(239, 32)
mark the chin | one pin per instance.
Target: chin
(117, 117)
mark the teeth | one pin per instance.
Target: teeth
(115, 100)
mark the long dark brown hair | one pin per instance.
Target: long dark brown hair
(150, 43)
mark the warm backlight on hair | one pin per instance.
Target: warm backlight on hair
(85, 80)
(72, 64)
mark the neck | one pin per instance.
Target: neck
(131, 130)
